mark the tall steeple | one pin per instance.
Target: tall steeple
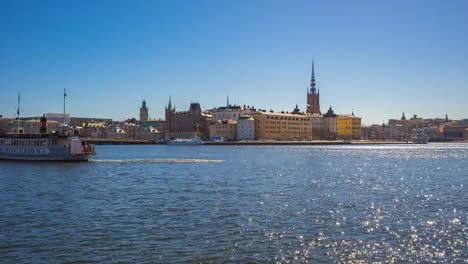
(312, 80)
(313, 95)
(169, 106)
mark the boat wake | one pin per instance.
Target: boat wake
(155, 160)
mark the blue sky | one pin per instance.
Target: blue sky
(380, 58)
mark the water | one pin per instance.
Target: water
(189, 204)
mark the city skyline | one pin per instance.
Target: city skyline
(376, 59)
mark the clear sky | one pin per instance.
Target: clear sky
(380, 58)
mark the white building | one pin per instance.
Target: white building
(59, 117)
(330, 121)
(318, 123)
(230, 112)
(245, 128)
(28, 126)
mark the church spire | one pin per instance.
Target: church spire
(169, 106)
(312, 80)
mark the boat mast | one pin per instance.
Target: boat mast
(18, 114)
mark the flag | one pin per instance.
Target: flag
(64, 93)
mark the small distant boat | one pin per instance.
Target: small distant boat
(185, 141)
(420, 138)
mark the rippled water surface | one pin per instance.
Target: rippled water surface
(189, 204)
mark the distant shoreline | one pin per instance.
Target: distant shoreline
(261, 142)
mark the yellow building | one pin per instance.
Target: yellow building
(223, 129)
(282, 126)
(348, 127)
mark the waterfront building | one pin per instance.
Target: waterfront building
(82, 121)
(187, 124)
(373, 132)
(115, 131)
(348, 127)
(330, 124)
(223, 130)
(159, 125)
(455, 132)
(318, 125)
(313, 95)
(143, 112)
(282, 126)
(29, 126)
(414, 121)
(230, 112)
(4, 124)
(93, 129)
(138, 132)
(246, 128)
(59, 117)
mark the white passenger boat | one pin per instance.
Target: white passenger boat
(421, 139)
(44, 147)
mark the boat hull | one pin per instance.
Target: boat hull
(41, 154)
(421, 140)
(74, 158)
